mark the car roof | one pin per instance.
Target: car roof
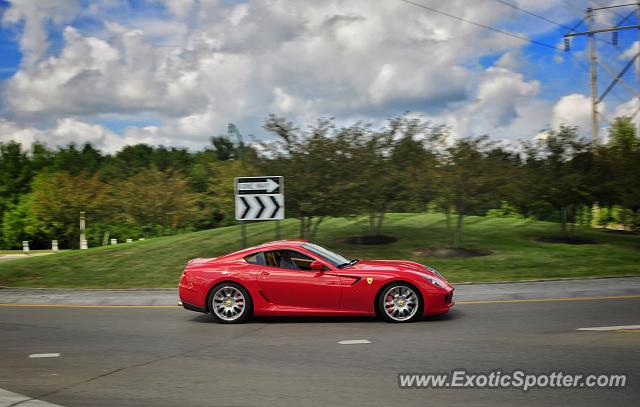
(283, 243)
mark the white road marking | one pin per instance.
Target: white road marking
(44, 355)
(8, 398)
(354, 342)
(609, 328)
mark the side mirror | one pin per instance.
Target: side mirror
(317, 265)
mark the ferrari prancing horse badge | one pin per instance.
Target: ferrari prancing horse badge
(369, 280)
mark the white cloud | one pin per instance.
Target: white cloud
(338, 58)
(504, 107)
(631, 51)
(202, 64)
(510, 60)
(35, 15)
(575, 110)
(180, 8)
(10, 131)
(80, 132)
(628, 108)
(499, 92)
(65, 131)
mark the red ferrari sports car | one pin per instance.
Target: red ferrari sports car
(295, 278)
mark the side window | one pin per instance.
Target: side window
(290, 259)
(257, 258)
(272, 258)
(301, 260)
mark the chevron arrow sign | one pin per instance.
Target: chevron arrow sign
(260, 198)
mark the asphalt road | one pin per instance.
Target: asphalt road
(173, 357)
(618, 286)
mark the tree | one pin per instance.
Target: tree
(390, 165)
(171, 159)
(525, 172)
(315, 163)
(154, 198)
(18, 224)
(217, 190)
(15, 173)
(131, 160)
(56, 201)
(469, 178)
(562, 164)
(369, 156)
(623, 164)
(75, 161)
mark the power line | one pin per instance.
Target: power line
(506, 3)
(610, 8)
(593, 61)
(513, 6)
(497, 29)
(487, 27)
(632, 12)
(582, 64)
(573, 6)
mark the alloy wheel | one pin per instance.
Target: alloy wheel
(400, 303)
(229, 303)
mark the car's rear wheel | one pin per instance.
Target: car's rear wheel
(230, 303)
(400, 302)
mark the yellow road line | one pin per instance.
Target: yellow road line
(613, 297)
(629, 330)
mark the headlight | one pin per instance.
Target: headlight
(434, 281)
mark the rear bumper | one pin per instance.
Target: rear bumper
(191, 307)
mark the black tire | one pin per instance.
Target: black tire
(412, 307)
(231, 316)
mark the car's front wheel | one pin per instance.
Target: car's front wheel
(230, 303)
(400, 302)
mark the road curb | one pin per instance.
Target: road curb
(542, 280)
(538, 280)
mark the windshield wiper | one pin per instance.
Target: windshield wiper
(350, 263)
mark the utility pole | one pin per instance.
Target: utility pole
(638, 67)
(593, 78)
(593, 59)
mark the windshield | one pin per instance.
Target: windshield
(332, 257)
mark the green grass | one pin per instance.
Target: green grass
(516, 253)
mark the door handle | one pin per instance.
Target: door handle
(264, 274)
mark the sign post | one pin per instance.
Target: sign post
(259, 198)
(243, 233)
(83, 239)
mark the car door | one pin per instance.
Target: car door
(304, 289)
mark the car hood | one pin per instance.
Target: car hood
(399, 266)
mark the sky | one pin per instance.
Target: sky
(176, 72)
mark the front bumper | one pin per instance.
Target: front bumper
(440, 302)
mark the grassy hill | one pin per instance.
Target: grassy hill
(516, 254)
